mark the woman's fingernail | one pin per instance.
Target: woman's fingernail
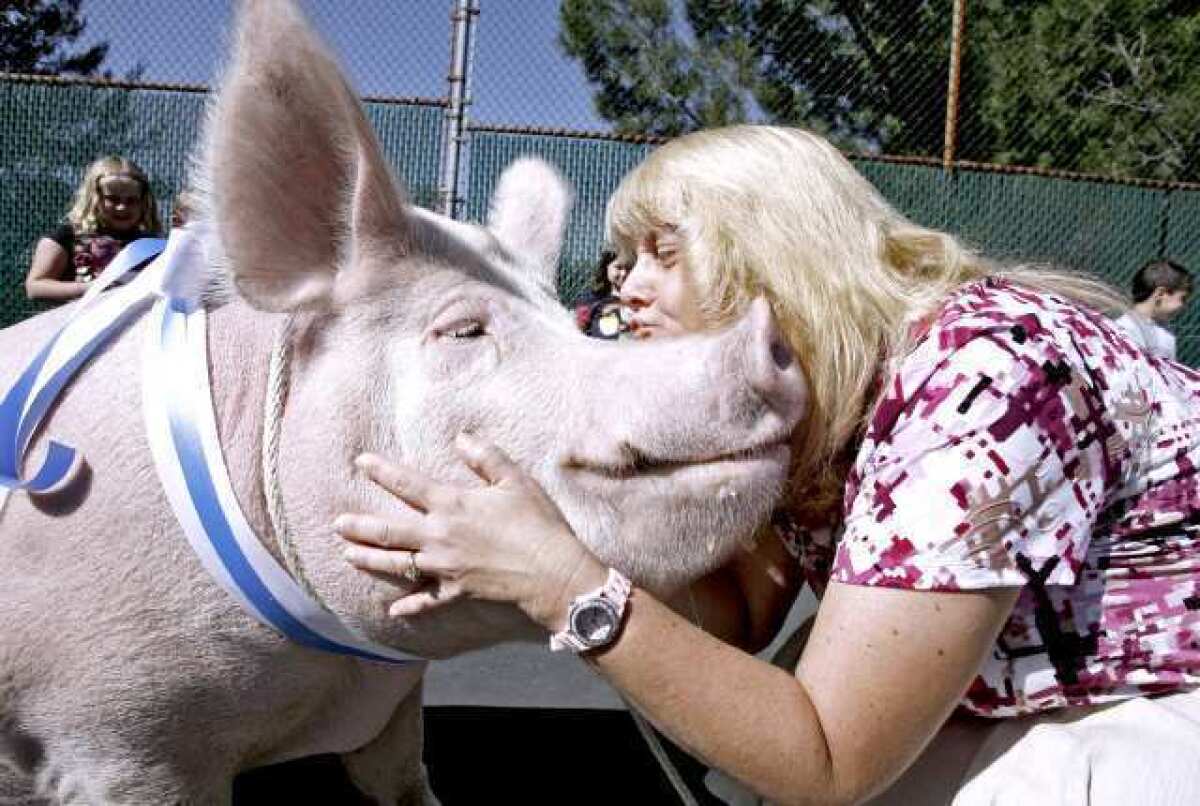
(396, 610)
(338, 525)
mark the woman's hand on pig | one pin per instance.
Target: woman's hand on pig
(503, 542)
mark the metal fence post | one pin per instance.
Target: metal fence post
(462, 20)
(958, 33)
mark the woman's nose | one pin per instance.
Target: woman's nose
(631, 297)
(637, 291)
(634, 296)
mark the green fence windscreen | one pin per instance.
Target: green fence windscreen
(53, 131)
(1104, 228)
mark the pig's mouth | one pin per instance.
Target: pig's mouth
(635, 463)
(659, 512)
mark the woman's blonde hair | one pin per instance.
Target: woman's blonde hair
(85, 215)
(779, 212)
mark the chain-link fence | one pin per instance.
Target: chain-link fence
(1037, 128)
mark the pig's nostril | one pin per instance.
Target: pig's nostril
(781, 354)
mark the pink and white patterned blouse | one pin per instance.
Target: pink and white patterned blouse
(1026, 442)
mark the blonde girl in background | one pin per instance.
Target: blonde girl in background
(1011, 481)
(113, 206)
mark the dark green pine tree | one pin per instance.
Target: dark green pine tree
(1093, 85)
(36, 37)
(1096, 85)
(650, 78)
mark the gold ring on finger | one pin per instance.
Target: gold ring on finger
(412, 573)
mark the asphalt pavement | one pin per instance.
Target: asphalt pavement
(516, 724)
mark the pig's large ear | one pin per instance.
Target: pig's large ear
(305, 205)
(529, 215)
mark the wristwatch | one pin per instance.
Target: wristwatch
(594, 619)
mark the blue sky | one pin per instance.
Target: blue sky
(388, 47)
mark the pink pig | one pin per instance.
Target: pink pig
(126, 674)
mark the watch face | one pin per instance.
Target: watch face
(594, 621)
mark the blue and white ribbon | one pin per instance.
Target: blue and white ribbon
(181, 426)
(92, 322)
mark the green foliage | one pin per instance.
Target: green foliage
(35, 36)
(847, 68)
(650, 78)
(1093, 85)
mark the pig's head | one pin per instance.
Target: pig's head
(410, 327)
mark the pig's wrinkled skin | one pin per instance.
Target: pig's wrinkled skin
(126, 674)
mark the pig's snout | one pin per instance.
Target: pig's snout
(773, 371)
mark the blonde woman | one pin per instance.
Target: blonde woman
(1014, 481)
(113, 206)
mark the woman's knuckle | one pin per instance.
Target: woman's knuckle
(442, 530)
(389, 476)
(433, 562)
(445, 567)
(396, 480)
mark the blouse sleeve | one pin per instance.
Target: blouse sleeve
(64, 236)
(987, 469)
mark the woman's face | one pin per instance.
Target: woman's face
(121, 202)
(659, 292)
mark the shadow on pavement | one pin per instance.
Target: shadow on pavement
(486, 755)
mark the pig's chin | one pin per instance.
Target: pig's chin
(668, 523)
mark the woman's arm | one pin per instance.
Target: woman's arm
(881, 672)
(48, 265)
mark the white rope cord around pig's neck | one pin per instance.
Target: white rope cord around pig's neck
(278, 376)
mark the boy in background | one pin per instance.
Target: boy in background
(1161, 290)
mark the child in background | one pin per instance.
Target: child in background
(598, 313)
(1161, 290)
(113, 206)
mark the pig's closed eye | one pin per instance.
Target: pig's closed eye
(465, 330)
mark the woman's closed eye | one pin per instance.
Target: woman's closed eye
(666, 247)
